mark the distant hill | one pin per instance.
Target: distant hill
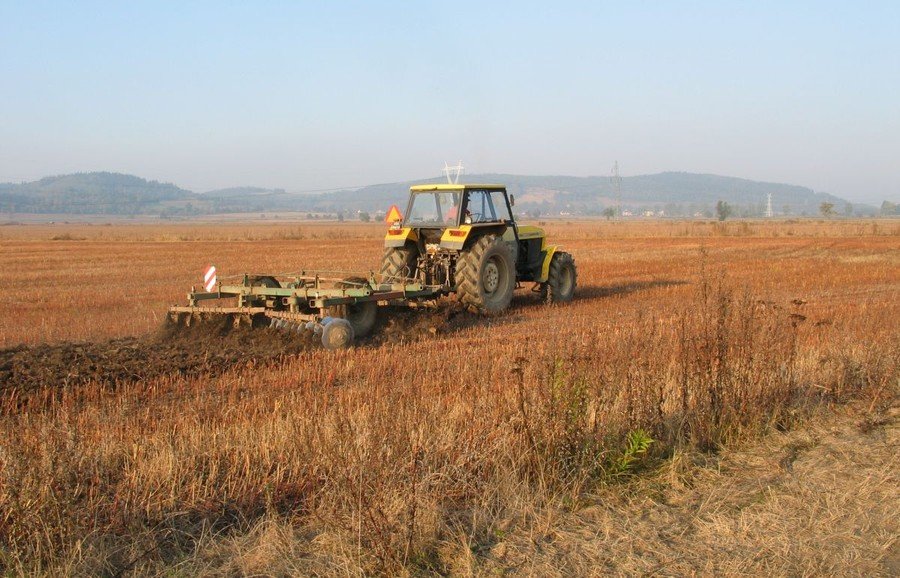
(252, 200)
(92, 193)
(243, 192)
(675, 194)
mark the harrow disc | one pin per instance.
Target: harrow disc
(215, 321)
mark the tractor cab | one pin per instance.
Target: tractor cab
(443, 207)
(435, 209)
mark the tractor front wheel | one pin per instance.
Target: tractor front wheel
(485, 275)
(561, 279)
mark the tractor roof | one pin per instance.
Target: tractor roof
(453, 187)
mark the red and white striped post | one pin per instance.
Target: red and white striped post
(209, 278)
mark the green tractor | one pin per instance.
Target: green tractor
(465, 239)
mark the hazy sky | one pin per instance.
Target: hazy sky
(329, 94)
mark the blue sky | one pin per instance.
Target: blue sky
(312, 95)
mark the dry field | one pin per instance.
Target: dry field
(718, 400)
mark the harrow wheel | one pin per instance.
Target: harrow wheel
(265, 281)
(268, 282)
(361, 316)
(338, 334)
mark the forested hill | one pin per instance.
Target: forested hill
(92, 193)
(673, 193)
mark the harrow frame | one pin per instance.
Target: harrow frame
(302, 301)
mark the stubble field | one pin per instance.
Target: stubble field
(565, 439)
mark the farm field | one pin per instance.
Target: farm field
(589, 438)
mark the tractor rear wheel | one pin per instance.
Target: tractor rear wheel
(362, 316)
(398, 263)
(561, 280)
(486, 275)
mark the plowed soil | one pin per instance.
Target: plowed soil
(208, 348)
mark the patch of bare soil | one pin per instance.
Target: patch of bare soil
(823, 500)
(403, 325)
(207, 348)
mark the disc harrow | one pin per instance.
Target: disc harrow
(335, 309)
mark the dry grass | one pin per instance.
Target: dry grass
(427, 457)
(121, 278)
(821, 500)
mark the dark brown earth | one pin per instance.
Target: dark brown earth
(207, 348)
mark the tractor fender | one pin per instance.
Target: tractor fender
(399, 238)
(545, 266)
(462, 237)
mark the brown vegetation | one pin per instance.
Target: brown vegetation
(441, 452)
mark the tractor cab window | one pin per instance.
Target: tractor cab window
(498, 199)
(479, 208)
(436, 208)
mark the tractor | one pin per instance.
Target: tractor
(465, 239)
(455, 239)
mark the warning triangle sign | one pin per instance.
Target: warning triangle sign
(393, 214)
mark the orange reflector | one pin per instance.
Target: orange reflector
(456, 233)
(393, 214)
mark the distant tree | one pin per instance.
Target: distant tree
(723, 210)
(888, 208)
(609, 213)
(364, 217)
(827, 209)
(848, 209)
(340, 216)
(786, 210)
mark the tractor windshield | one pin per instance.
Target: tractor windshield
(433, 208)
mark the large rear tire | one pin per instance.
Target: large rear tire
(486, 275)
(561, 279)
(362, 316)
(399, 263)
